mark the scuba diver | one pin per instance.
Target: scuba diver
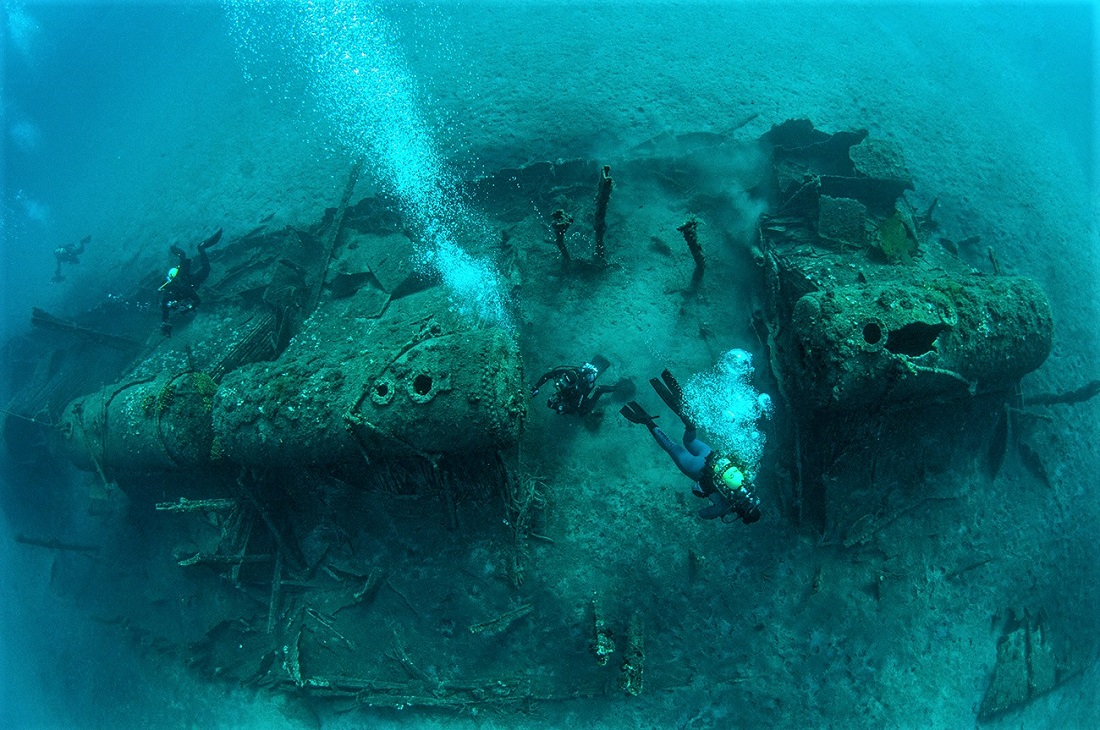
(721, 478)
(68, 255)
(180, 290)
(576, 391)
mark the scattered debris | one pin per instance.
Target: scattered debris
(292, 653)
(603, 194)
(967, 568)
(633, 668)
(1025, 668)
(367, 591)
(560, 222)
(502, 622)
(54, 544)
(183, 504)
(276, 592)
(327, 623)
(691, 237)
(209, 559)
(1078, 395)
(523, 499)
(403, 597)
(601, 644)
(42, 318)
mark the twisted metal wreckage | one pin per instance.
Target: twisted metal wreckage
(323, 366)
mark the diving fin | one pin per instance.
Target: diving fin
(636, 414)
(212, 240)
(670, 392)
(599, 362)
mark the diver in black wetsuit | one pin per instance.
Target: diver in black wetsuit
(69, 254)
(576, 391)
(721, 478)
(179, 292)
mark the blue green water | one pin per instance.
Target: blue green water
(145, 125)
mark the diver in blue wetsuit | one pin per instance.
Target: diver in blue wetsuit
(718, 477)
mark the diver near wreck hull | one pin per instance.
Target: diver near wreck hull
(576, 392)
(68, 254)
(179, 292)
(719, 477)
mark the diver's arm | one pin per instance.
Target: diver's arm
(550, 375)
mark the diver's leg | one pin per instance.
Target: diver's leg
(211, 241)
(689, 464)
(600, 390)
(624, 388)
(204, 268)
(694, 445)
(204, 261)
(589, 401)
(165, 311)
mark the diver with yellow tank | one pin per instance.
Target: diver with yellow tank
(720, 477)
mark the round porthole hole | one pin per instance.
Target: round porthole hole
(422, 384)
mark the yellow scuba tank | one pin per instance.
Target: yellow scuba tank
(731, 481)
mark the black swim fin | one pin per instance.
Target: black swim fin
(636, 414)
(212, 240)
(670, 392)
(600, 362)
